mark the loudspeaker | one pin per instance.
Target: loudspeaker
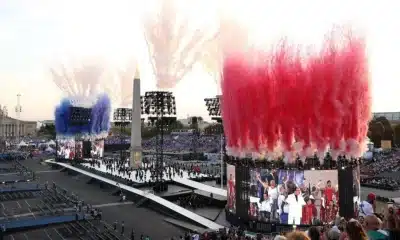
(346, 193)
(86, 149)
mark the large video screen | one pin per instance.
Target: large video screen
(97, 149)
(66, 148)
(230, 174)
(322, 198)
(293, 197)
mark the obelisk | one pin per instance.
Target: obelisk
(136, 125)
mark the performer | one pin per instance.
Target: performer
(273, 196)
(283, 206)
(329, 191)
(322, 210)
(262, 186)
(331, 212)
(265, 207)
(296, 203)
(231, 198)
(253, 211)
(309, 211)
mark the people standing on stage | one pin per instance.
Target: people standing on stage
(266, 207)
(296, 202)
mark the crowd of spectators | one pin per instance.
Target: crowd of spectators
(372, 171)
(372, 227)
(386, 162)
(381, 183)
(176, 142)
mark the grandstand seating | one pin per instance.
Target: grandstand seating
(175, 142)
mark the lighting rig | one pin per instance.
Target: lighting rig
(79, 117)
(214, 111)
(122, 118)
(160, 108)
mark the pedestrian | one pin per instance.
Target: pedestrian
(122, 228)
(115, 225)
(132, 235)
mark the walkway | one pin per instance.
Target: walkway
(194, 217)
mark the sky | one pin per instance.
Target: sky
(35, 35)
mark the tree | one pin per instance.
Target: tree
(48, 130)
(388, 133)
(215, 128)
(397, 135)
(380, 129)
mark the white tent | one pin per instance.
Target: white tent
(51, 142)
(49, 149)
(22, 144)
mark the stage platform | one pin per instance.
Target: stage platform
(184, 181)
(194, 217)
(147, 179)
(200, 186)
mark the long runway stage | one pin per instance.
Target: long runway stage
(184, 212)
(181, 180)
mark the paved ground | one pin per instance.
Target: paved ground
(141, 220)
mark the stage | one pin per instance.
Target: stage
(185, 180)
(184, 212)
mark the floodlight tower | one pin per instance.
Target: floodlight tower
(18, 110)
(136, 126)
(214, 110)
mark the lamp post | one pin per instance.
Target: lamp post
(18, 110)
(3, 115)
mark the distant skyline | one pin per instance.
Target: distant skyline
(36, 32)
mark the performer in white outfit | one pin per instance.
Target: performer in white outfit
(296, 203)
(283, 207)
(66, 153)
(266, 207)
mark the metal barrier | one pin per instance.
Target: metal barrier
(41, 221)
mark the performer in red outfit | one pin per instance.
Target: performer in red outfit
(231, 199)
(331, 211)
(329, 191)
(71, 154)
(309, 212)
(322, 210)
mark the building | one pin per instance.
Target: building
(393, 117)
(47, 122)
(8, 127)
(188, 121)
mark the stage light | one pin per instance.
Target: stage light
(214, 108)
(122, 118)
(160, 106)
(80, 116)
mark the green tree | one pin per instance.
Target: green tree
(47, 130)
(397, 135)
(380, 129)
(215, 128)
